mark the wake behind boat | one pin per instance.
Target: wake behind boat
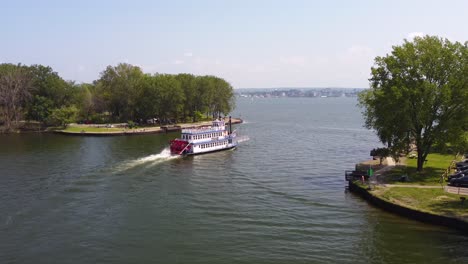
(205, 139)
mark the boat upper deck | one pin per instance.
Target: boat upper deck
(218, 125)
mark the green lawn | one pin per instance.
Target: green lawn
(434, 167)
(91, 129)
(432, 200)
(428, 200)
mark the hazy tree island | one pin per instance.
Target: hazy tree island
(35, 97)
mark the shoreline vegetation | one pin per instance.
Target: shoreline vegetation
(400, 189)
(122, 129)
(36, 98)
(416, 105)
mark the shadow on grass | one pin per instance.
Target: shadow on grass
(450, 208)
(429, 176)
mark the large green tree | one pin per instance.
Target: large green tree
(223, 100)
(15, 91)
(49, 92)
(419, 94)
(120, 87)
(188, 84)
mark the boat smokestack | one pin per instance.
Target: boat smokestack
(230, 126)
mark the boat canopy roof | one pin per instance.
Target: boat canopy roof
(217, 125)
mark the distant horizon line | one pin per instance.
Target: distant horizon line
(276, 88)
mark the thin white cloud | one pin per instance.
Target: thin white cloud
(360, 51)
(178, 62)
(412, 35)
(188, 54)
(293, 60)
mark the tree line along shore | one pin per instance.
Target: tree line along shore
(36, 95)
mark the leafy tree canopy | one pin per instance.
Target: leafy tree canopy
(122, 93)
(418, 95)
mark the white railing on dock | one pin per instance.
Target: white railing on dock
(456, 190)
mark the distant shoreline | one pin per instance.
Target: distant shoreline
(140, 130)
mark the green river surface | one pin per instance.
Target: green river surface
(280, 197)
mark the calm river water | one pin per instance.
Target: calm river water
(280, 197)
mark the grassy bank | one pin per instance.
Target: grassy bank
(104, 129)
(78, 129)
(423, 191)
(435, 166)
(430, 200)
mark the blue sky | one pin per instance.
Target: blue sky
(251, 44)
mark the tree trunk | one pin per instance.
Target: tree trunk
(420, 160)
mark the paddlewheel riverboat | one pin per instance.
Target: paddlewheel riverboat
(205, 139)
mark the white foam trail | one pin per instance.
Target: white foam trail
(241, 139)
(154, 159)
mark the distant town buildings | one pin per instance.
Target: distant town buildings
(295, 92)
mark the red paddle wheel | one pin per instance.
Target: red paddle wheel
(179, 146)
